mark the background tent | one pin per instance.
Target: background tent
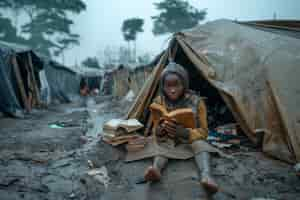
(119, 81)
(255, 72)
(8, 100)
(19, 82)
(64, 82)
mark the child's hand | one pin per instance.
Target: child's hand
(170, 127)
(175, 130)
(160, 130)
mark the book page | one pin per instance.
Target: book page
(113, 123)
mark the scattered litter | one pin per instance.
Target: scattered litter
(63, 124)
(226, 136)
(55, 126)
(101, 175)
(228, 129)
(91, 164)
(72, 195)
(221, 145)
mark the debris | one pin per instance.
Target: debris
(221, 145)
(9, 180)
(72, 195)
(63, 124)
(228, 129)
(224, 133)
(91, 164)
(55, 126)
(101, 175)
(225, 136)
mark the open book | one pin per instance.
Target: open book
(182, 116)
(128, 126)
(125, 126)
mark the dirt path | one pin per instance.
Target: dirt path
(39, 163)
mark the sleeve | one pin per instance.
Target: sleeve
(150, 127)
(200, 133)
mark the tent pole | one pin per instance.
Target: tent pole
(20, 82)
(36, 90)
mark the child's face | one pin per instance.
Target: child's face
(173, 87)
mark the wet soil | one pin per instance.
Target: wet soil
(38, 163)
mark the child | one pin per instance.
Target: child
(84, 88)
(175, 94)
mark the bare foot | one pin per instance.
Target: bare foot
(210, 185)
(152, 174)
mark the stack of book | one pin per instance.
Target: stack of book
(136, 144)
(120, 131)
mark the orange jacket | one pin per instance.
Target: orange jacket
(199, 133)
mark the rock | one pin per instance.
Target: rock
(83, 139)
(101, 175)
(72, 196)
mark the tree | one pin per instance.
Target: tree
(49, 23)
(130, 28)
(175, 15)
(91, 62)
(8, 32)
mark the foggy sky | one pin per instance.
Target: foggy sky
(100, 25)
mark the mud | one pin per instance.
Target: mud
(39, 163)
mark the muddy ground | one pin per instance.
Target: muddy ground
(42, 163)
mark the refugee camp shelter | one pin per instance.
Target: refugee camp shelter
(19, 79)
(64, 82)
(138, 75)
(124, 78)
(251, 68)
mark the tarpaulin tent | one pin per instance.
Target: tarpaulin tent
(19, 82)
(255, 71)
(119, 81)
(8, 99)
(64, 82)
(139, 74)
